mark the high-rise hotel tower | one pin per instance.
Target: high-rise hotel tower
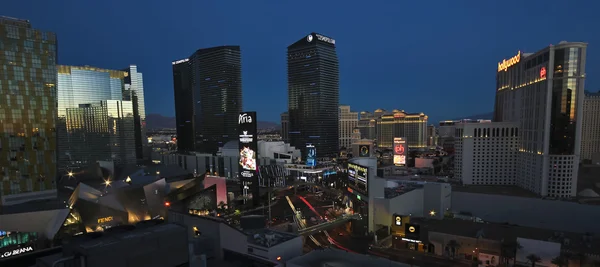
(543, 93)
(208, 98)
(313, 94)
(27, 112)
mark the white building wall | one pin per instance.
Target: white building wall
(486, 153)
(590, 135)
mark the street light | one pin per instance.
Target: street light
(432, 213)
(107, 182)
(70, 174)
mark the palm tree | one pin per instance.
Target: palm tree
(582, 258)
(533, 259)
(559, 261)
(509, 251)
(454, 246)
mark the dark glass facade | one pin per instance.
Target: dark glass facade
(211, 80)
(184, 106)
(313, 94)
(134, 92)
(568, 70)
(27, 111)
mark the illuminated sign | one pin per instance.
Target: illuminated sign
(363, 151)
(248, 149)
(309, 38)
(398, 220)
(543, 72)
(399, 151)
(505, 64)
(411, 240)
(357, 178)
(105, 219)
(180, 61)
(244, 118)
(16, 252)
(325, 39)
(311, 155)
(412, 231)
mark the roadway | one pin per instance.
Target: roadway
(340, 238)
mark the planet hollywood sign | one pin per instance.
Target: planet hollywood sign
(505, 64)
(15, 252)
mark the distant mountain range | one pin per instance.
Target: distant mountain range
(485, 116)
(157, 121)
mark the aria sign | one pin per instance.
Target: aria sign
(244, 118)
(505, 64)
(15, 252)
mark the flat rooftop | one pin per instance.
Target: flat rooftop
(400, 190)
(498, 231)
(495, 190)
(339, 258)
(268, 238)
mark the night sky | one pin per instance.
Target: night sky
(437, 57)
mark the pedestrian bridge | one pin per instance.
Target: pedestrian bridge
(328, 225)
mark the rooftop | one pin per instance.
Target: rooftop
(400, 190)
(268, 238)
(494, 231)
(339, 258)
(495, 190)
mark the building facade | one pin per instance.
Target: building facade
(367, 125)
(431, 135)
(134, 92)
(543, 93)
(209, 85)
(27, 112)
(285, 126)
(103, 131)
(313, 94)
(486, 153)
(82, 86)
(411, 126)
(348, 121)
(590, 134)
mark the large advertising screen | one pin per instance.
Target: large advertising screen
(311, 155)
(400, 151)
(248, 146)
(358, 178)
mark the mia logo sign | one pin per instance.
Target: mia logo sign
(16, 252)
(244, 118)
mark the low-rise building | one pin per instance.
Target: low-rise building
(334, 257)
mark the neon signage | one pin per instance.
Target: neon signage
(105, 219)
(15, 252)
(505, 64)
(543, 72)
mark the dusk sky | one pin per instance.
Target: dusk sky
(437, 57)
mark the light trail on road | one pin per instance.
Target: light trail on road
(309, 206)
(299, 223)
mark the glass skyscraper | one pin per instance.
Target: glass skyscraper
(102, 131)
(27, 112)
(313, 94)
(208, 98)
(82, 86)
(134, 92)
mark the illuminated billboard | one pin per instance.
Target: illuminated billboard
(364, 151)
(311, 155)
(400, 151)
(247, 146)
(358, 178)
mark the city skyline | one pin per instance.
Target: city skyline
(263, 46)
